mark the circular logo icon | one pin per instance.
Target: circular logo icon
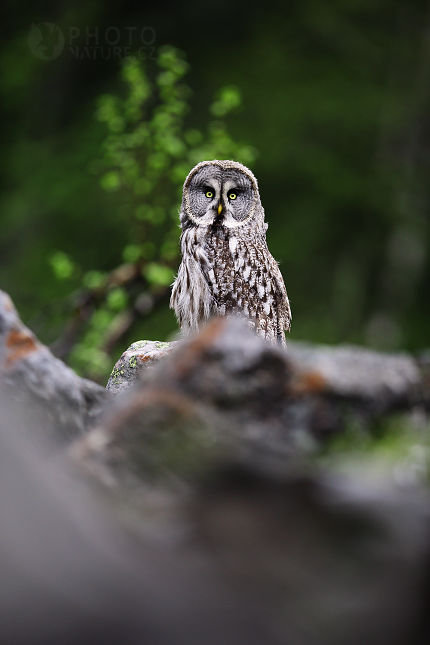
(45, 40)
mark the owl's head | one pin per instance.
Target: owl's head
(221, 192)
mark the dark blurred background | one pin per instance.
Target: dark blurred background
(335, 99)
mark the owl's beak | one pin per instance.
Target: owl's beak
(219, 209)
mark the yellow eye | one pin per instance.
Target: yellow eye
(232, 195)
(209, 193)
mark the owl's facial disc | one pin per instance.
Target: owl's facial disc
(219, 196)
(203, 194)
(237, 197)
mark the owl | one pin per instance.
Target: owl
(226, 265)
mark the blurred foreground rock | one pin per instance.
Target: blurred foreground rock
(316, 389)
(70, 573)
(194, 511)
(244, 555)
(36, 379)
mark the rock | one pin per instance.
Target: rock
(308, 389)
(70, 573)
(228, 394)
(203, 451)
(380, 381)
(138, 357)
(384, 381)
(211, 523)
(220, 392)
(264, 559)
(329, 558)
(34, 377)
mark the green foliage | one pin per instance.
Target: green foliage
(94, 279)
(117, 299)
(158, 274)
(62, 265)
(147, 153)
(227, 99)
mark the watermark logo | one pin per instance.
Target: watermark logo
(45, 40)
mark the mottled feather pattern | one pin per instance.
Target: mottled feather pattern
(226, 265)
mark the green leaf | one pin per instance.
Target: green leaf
(62, 265)
(111, 181)
(227, 99)
(117, 299)
(94, 279)
(158, 274)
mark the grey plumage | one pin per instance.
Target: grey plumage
(226, 265)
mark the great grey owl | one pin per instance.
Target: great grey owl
(226, 266)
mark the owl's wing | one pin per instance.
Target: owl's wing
(280, 312)
(191, 298)
(282, 301)
(262, 281)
